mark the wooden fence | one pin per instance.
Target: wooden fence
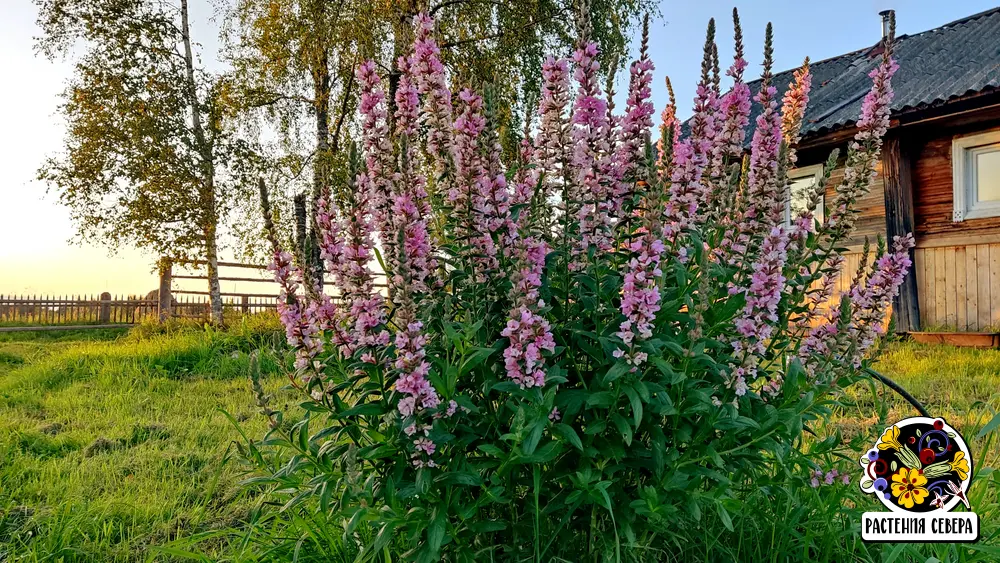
(166, 302)
(185, 303)
(74, 310)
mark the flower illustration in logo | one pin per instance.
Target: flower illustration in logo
(908, 487)
(890, 439)
(919, 464)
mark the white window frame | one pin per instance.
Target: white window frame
(816, 171)
(963, 165)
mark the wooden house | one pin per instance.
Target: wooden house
(939, 175)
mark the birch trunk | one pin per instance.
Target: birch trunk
(209, 213)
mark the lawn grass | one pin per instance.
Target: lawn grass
(111, 443)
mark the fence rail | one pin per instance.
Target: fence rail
(48, 310)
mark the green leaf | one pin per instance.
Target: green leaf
(990, 426)
(368, 409)
(727, 521)
(534, 436)
(477, 358)
(617, 370)
(492, 450)
(569, 434)
(435, 532)
(633, 398)
(482, 526)
(623, 428)
(601, 399)
(466, 478)
(595, 427)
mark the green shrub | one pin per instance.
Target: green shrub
(598, 352)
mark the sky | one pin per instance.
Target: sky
(37, 257)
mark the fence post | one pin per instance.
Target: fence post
(245, 304)
(104, 316)
(166, 299)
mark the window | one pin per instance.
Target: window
(801, 186)
(975, 164)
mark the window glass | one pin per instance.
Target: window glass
(987, 174)
(801, 189)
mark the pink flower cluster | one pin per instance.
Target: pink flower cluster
(346, 247)
(756, 324)
(828, 478)
(553, 133)
(529, 336)
(688, 190)
(377, 179)
(428, 76)
(875, 108)
(668, 123)
(766, 204)
(640, 296)
(590, 147)
(763, 294)
(793, 107)
(303, 330)
(735, 111)
(870, 300)
(634, 133)
(413, 369)
(528, 332)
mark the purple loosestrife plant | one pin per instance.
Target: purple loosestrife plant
(588, 358)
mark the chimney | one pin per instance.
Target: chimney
(887, 16)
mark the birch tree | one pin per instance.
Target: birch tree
(149, 159)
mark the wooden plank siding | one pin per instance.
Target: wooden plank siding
(959, 287)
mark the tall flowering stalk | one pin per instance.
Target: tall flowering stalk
(303, 322)
(428, 77)
(550, 154)
(377, 179)
(347, 251)
(869, 299)
(670, 132)
(760, 313)
(688, 191)
(640, 292)
(468, 127)
(635, 125)
(590, 147)
(734, 111)
(793, 109)
(863, 152)
(766, 202)
(407, 178)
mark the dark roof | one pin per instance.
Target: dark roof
(935, 66)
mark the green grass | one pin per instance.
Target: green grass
(111, 443)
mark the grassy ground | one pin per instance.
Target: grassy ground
(111, 442)
(961, 385)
